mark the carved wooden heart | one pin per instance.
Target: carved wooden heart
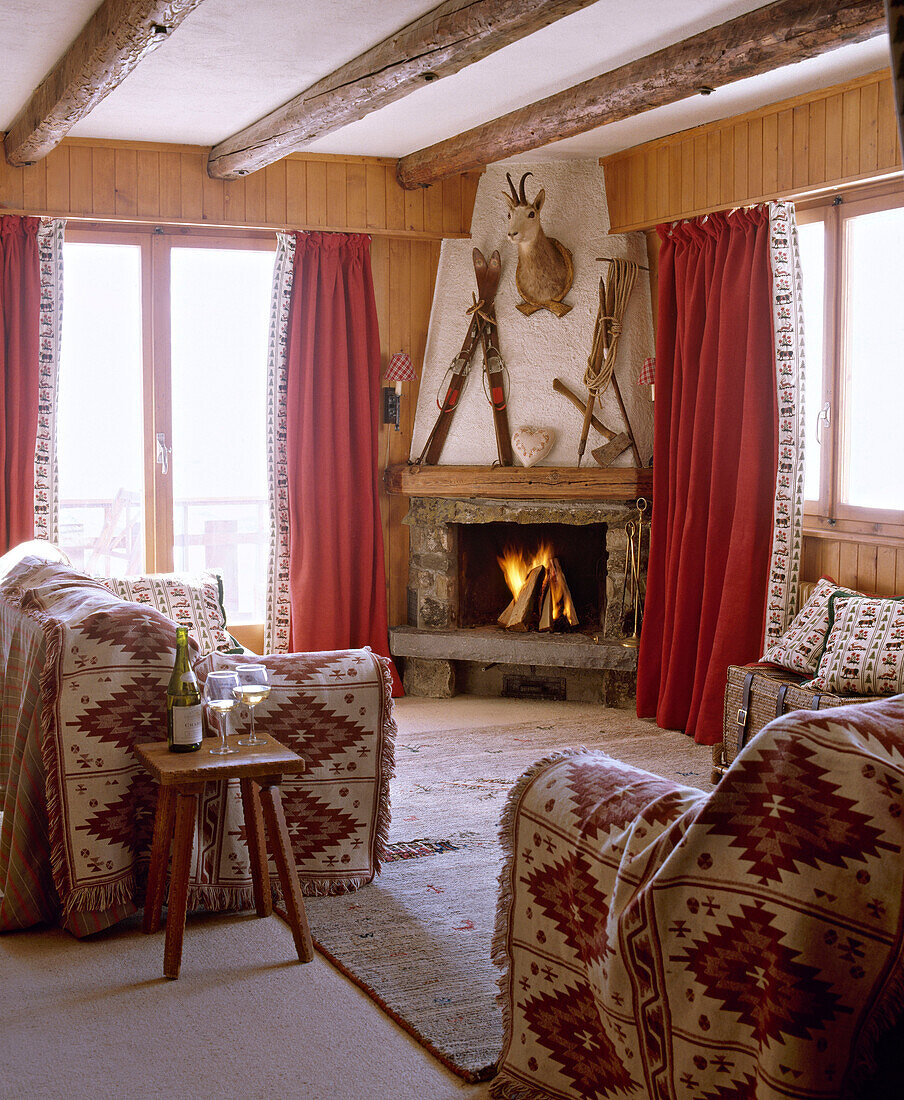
(532, 445)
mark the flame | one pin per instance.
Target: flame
(515, 566)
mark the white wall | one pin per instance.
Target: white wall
(542, 347)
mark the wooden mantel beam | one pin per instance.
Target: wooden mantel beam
(445, 40)
(519, 483)
(764, 39)
(113, 41)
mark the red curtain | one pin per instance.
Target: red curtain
(714, 469)
(337, 574)
(20, 306)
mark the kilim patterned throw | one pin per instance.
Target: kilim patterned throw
(104, 666)
(661, 942)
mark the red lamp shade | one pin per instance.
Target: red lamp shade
(400, 368)
(647, 374)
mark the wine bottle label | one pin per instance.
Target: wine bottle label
(187, 725)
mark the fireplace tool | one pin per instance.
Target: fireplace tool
(634, 531)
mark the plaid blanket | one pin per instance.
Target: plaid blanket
(77, 797)
(663, 943)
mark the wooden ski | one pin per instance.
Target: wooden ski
(493, 365)
(461, 364)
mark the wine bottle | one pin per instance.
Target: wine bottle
(183, 701)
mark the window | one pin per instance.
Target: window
(162, 448)
(852, 257)
(101, 414)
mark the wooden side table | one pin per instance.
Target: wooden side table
(181, 776)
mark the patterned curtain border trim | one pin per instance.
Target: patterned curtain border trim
(276, 627)
(50, 255)
(787, 324)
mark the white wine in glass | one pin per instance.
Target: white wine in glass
(253, 688)
(220, 697)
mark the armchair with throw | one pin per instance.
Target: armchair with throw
(666, 943)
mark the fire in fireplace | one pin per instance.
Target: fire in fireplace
(539, 588)
(533, 577)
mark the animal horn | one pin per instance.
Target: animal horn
(521, 188)
(514, 192)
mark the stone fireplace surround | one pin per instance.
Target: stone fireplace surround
(441, 658)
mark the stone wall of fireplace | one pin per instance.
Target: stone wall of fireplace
(441, 657)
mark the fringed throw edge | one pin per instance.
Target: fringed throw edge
(502, 1086)
(387, 764)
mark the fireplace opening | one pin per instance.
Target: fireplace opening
(577, 553)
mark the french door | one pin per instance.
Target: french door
(162, 405)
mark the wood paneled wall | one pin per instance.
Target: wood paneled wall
(132, 182)
(404, 278)
(839, 135)
(144, 182)
(867, 567)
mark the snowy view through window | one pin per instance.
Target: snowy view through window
(218, 319)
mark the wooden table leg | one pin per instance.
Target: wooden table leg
(186, 812)
(160, 850)
(271, 804)
(257, 848)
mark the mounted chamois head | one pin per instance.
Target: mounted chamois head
(545, 271)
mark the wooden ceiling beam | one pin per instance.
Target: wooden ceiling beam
(445, 40)
(764, 39)
(113, 41)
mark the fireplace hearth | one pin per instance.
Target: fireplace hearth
(457, 592)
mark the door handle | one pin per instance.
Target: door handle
(163, 453)
(823, 420)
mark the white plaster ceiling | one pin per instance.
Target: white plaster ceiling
(230, 63)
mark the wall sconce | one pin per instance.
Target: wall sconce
(400, 370)
(647, 374)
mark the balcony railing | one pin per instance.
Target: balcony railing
(228, 535)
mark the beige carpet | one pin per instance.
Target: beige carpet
(419, 939)
(95, 1019)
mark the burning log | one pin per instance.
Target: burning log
(517, 615)
(571, 616)
(546, 610)
(556, 598)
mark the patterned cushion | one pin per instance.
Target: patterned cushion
(193, 600)
(864, 652)
(801, 646)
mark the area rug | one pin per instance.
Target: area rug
(418, 939)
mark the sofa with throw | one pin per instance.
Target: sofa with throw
(661, 942)
(84, 679)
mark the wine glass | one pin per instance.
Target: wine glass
(253, 687)
(220, 691)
